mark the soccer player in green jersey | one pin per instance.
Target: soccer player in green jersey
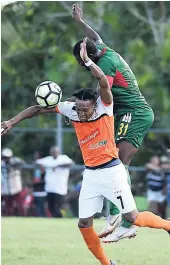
(133, 115)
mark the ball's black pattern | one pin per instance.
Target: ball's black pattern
(51, 91)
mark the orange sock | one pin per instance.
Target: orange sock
(149, 219)
(93, 243)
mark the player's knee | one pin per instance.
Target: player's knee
(84, 223)
(131, 217)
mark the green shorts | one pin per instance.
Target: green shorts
(132, 126)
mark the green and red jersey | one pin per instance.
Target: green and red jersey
(125, 89)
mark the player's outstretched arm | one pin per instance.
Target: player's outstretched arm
(104, 87)
(30, 112)
(91, 34)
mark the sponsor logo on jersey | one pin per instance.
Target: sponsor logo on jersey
(97, 145)
(90, 137)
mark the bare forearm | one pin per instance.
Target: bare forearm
(77, 15)
(26, 114)
(90, 33)
(30, 112)
(104, 89)
(65, 165)
(165, 166)
(100, 76)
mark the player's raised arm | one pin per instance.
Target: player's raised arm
(30, 112)
(91, 34)
(104, 88)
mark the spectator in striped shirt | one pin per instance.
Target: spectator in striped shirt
(156, 187)
(165, 164)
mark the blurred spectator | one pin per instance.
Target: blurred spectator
(11, 182)
(156, 187)
(165, 161)
(57, 169)
(39, 192)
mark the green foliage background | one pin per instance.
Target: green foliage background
(37, 41)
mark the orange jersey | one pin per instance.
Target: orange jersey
(96, 136)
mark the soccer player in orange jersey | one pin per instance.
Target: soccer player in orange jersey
(105, 175)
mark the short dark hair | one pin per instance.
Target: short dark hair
(86, 94)
(90, 45)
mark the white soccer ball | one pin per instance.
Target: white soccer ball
(48, 94)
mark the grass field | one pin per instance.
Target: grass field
(34, 241)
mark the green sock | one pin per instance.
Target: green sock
(113, 208)
(125, 223)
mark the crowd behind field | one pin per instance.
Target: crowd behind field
(54, 186)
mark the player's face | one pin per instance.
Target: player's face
(155, 160)
(85, 109)
(54, 151)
